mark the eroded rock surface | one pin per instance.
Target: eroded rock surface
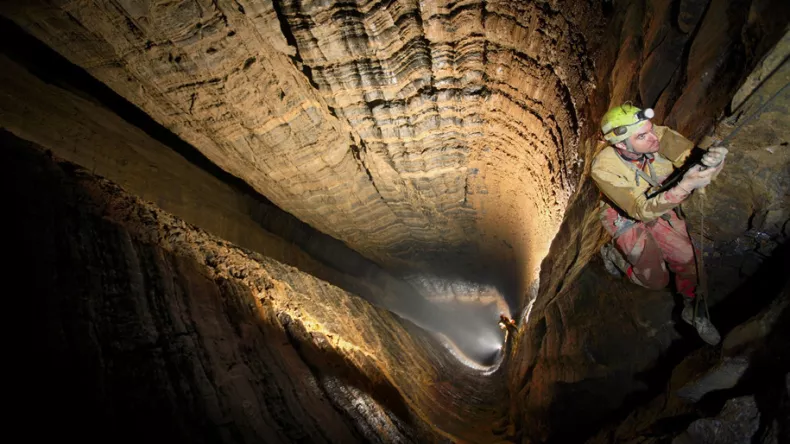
(155, 330)
(46, 100)
(736, 394)
(412, 131)
(433, 136)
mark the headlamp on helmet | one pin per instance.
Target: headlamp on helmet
(620, 122)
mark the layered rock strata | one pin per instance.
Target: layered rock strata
(353, 117)
(155, 330)
(409, 130)
(48, 101)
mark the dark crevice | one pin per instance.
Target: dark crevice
(193, 85)
(355, 151)
(192, 102)
(290, 38)
(239, 7)
(222, 16)
(380, 390)
(466, 191)
(755, 292)
(248, 63)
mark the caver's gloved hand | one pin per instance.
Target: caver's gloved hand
(714, 158)
(700, 176)
(696, 178)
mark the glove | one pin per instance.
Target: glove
(696, 178)
(714, 157)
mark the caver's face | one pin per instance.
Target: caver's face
(643, 141)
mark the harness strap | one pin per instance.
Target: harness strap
(651, 179)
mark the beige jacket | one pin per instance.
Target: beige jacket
(619, 183)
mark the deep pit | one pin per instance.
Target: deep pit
(284, 221)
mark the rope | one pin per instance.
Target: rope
(702, 284)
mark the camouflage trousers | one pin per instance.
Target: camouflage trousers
(652, 247)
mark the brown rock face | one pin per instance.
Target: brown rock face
(156, 331)
(412, 147)
(80, 129)
(412, 131)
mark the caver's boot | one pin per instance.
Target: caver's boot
(707, 332)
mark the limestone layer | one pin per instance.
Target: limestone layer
(154, 330)
(65, 115)
(408, 130)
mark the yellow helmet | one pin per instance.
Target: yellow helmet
(621, 121)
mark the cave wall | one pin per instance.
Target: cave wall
(82, 131)
(409, 130)
(745, 213)
(148, 328)
(684, 58)
(47, 100)
(269, 92)
(736, 393)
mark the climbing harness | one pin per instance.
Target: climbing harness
(652, 180)
(638, 172)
